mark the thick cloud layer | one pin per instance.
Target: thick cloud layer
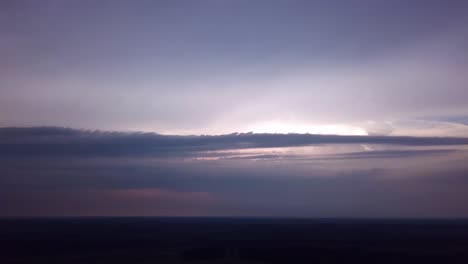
(64, 142)
(56, 172)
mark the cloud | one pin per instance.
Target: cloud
(123, 70)
(66, 142)
(208, 189)
(59, 171)
(105, 202)
(385, 154)
(435, 127)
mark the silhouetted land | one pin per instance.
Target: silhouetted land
(232, 240)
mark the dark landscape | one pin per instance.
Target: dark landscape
(232, 240)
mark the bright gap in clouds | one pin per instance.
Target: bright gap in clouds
(286, 127)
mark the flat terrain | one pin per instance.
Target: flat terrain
(232, 240)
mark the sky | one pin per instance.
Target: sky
(296, 108)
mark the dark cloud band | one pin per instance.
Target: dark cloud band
(54, 141)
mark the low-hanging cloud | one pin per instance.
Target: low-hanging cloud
(63, 142)
(46, 171)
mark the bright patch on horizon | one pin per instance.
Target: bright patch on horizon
(284, 128)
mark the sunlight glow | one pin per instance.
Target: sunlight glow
(284, 128)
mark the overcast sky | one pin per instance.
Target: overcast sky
(213, 66)
(122, 108)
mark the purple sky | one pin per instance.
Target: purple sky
(204, 67)
(375, 68)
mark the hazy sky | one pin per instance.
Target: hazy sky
(221, 66)
(387, 78)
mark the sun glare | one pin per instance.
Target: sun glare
(284, 128)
